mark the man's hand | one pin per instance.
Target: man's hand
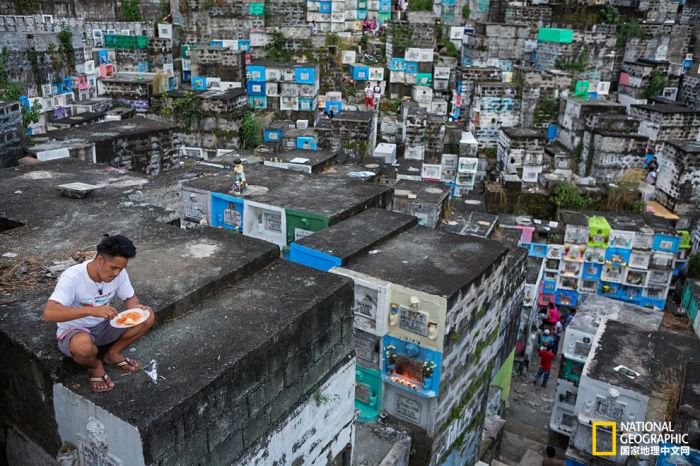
(144, 307)
(106, 312)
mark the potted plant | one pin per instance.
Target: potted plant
(390, 352)
(428, 368)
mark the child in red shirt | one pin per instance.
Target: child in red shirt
(546, 358)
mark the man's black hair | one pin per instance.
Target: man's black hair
(550, 451)
(550, 305)
(116, 246)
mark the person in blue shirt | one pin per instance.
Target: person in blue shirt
(546, 338)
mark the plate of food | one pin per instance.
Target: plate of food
(129, 318)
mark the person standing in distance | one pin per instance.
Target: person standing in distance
(369, 97)
(377, 93)
(80, 305)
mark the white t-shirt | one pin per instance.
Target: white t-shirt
(651, 178)
(377, 92)
(369, 92)
(75, 288)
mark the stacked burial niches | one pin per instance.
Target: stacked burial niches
(228, 391)
(592, 314)
(434, 323)
(646, 385)
(409, 50)
(628, 257)
(287, 87)
(279, 206)
(10, 133)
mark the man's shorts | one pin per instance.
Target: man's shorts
(102, 334)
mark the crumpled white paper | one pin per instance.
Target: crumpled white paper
(151, 371)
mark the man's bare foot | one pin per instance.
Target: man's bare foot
(99, 379)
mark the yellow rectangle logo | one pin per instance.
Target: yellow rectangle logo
(612, 425)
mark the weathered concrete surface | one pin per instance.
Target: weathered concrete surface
(359, 233)
(234, 366)
(334, 198)
(379, 445)
(173, 271)
(432, 261)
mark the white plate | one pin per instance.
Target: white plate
(142, 312)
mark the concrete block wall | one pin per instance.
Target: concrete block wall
(659, 126)
(434, 145)
(474, 321)
(530, 15)
(221, 132)
(572, 119)
(287, 12)
(221, 105)
(263, 395)
(86, 9)
(514, 291)
(513, 153)
(507, 42)
(423, 33)
(659, 11)
(497, 106)
(689, 92)
(11, 133)
(469, 78)
(33, 68)
(228, 19)
(678, 180)
(335, 404)
(337, 133)
(657, 43)
(149, 153)
(225, 63)
(607, 156)
(128, 90)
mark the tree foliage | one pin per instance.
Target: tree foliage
(579, 65)
(449, 48)
(164, 8)
(186, 109)
(31, 115)
(609, 15)
(466, 11)
(567, 196)
(250, 131)
(65, 39)
(402, 35)
(546, 110)
(420, 5)
(12, 91)
(629, 30)
(131, 10)
(655, 86)
(331, 39)
(28, 6)
(276, 49)
(694, 267)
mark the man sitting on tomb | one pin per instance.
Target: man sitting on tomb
(80, 305)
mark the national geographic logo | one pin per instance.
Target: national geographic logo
(606, 425)
(637, 438)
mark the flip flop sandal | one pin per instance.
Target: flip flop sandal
(93, 381)
(126, 364)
